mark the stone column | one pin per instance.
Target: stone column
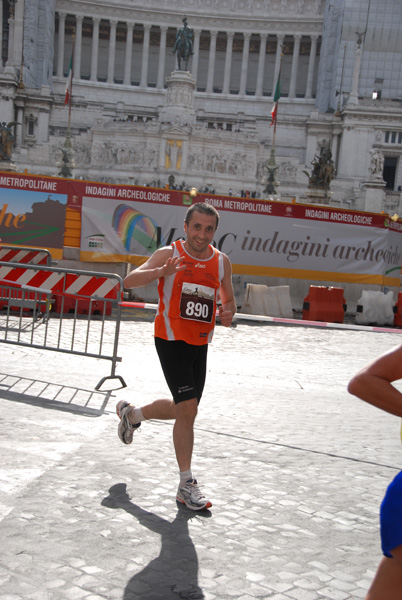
(19, 33)
(112, 51)
(1, 31)
(279, 45)
(194, 63)
(60, 45)
(244, 63)
(354, 93)
(311, 66)
(261, 63)
(43, 125)
(211, 62)
(95, 49)
(129, 54)
(145, 57)
(228, 62)
(77, 47)
(162, 57)
(18, 127)
(295, 66)
(335, 145)
(10, 53)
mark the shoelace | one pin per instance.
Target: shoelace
(194, 489)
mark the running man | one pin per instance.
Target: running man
(192, 275)
(374, 385)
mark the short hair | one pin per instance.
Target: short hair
(205, 209)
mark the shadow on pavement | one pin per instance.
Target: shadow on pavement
(174, 573)
(53, 396)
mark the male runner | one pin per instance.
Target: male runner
(192, 276)
(374, 385)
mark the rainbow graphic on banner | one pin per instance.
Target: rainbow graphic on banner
(130, 224)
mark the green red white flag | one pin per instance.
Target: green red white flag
(69, 83)
(277, 95)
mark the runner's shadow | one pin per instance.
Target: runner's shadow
(174, 573)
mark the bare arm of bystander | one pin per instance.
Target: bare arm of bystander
(373, 383)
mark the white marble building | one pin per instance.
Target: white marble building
(133, 122)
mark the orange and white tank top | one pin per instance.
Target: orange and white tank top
(187, 300)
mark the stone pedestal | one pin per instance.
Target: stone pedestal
(67, 163)
(318, 196)
(374, 195)
(7, 165)
(178, 109)
(270, 182)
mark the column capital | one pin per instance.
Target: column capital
(130, 24)
(79, 18)
(214, 34)
(147, 27)
(113, 22)
(297, 37)
(163, 27)
(264, 36)
(247, 35)
(96, 20)
(62, 14)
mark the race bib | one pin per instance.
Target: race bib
(197, 302)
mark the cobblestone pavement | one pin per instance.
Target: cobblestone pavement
(295, 467)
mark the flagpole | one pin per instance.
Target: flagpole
(277, 96)
(271, 168)
(70, 100)
(67, 163)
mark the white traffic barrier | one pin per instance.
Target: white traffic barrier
(269, 301)
(375, 307)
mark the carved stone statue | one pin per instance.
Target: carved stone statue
(323, 170)
(6, 140)
(183, 46)
(270, 180)
(377, 162)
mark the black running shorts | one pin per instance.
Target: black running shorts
(184, 366)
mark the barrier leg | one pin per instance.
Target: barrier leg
(102, 381)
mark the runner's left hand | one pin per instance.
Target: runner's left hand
(225, 316)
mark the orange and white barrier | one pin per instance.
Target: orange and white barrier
(324, 304)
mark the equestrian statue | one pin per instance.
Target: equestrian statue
(183, 45)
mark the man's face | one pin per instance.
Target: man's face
(200, 232)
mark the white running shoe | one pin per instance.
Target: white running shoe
(125, 429)
(191, 495)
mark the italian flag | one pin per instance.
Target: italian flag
(69, 83)
(277, 95)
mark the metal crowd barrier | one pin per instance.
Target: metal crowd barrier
(64, 310)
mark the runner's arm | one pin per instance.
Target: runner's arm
(373, 383)
(160, 264)
(228, 307)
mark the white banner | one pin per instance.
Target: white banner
(261, 238)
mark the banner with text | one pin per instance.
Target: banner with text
(33, 211)
(261, 238)
(123, 223)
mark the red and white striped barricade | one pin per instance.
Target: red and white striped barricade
(92, 336)
(24, 255)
